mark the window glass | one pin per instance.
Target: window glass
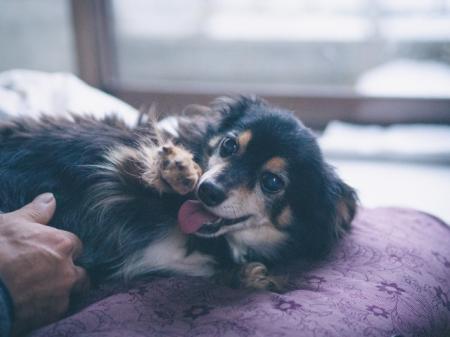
(386, 47)
(36, 35)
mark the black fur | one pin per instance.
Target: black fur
(67, 158)
(315, 192)
(61, 156)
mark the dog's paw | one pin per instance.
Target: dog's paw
(254, 275)
(178, 168)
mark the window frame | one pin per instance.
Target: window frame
(93, 23)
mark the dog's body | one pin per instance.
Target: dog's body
(266, 194)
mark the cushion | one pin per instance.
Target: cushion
(30, 93)
(390, 276)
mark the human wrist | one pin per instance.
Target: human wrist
(6, 310)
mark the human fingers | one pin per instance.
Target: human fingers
(40, 210)
(67, 243)
(82, 282)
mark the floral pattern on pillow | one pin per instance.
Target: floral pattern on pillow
(389, 277)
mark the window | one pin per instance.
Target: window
(379, 48)
(36, 35)
(324, 59)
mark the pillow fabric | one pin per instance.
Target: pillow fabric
(389, 277)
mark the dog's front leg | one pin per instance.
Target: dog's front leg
(167, 169)
(178, 169)
(253, 275)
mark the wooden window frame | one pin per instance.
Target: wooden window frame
(93, 23)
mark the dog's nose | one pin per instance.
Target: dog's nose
(210, 194)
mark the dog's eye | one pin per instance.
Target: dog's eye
(228, 147)
(271, 183)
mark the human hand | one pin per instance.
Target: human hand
(36, 264)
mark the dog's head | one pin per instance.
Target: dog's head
(265, 186)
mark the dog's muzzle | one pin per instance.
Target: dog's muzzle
(211, 194)
(193, 217)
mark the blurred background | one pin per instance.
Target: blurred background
(371, 47)
(372, 77)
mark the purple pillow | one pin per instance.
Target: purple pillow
(390, 276)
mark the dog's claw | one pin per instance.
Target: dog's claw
(254, 275)
(178, 169)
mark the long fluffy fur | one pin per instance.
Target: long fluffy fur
(99, 198)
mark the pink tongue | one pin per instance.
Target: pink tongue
(192, 215)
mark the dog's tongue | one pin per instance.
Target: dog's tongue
(192, 215)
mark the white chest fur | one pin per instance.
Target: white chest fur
(263, 239)
(168, 254)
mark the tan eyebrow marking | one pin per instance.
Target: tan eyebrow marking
(285, 217)
(244, 138)
(276, 164)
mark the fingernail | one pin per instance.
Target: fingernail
(45, 198)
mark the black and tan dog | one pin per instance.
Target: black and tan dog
(241, 184)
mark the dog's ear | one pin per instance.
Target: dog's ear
(337, 203)
(232, 108)
(344, 208)
(325, 209)
(196, 123)
(227, 105)
(195, 110)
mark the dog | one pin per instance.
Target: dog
(230, 189)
